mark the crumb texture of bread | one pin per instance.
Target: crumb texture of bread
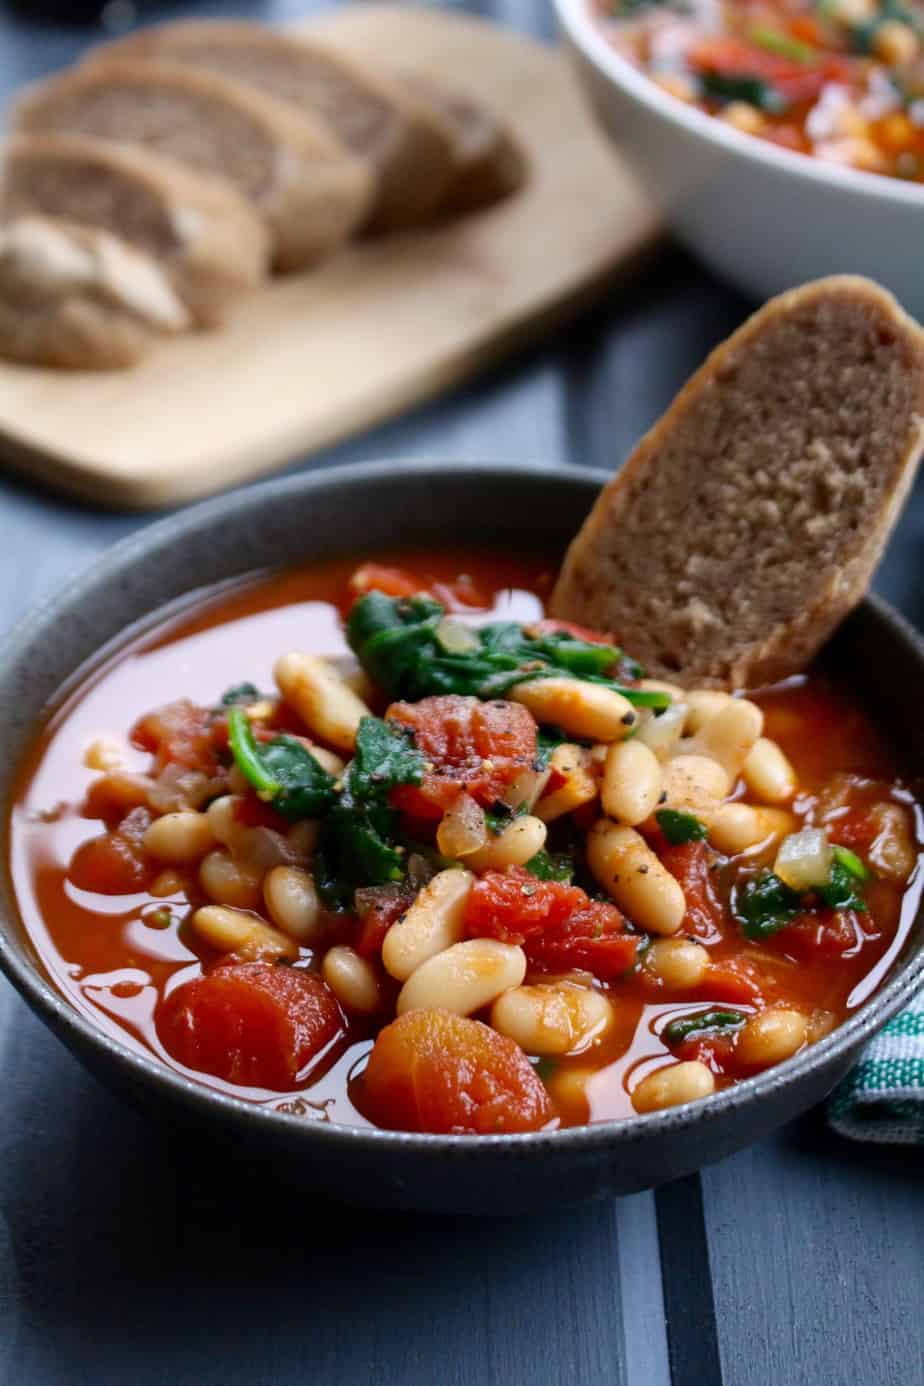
(309, 188)
(405, 140)
(748, 522)
(77, 297)
(207, 238)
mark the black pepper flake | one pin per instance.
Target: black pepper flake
(627, 719)
(643, 870)
(663, 798)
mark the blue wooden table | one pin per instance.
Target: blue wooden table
(131, 1257)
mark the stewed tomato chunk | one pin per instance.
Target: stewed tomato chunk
(433, 1071)
(114, 863)
(690, 863)
(559, 926)
(180, 733)
(472, 747)
(254, 1024)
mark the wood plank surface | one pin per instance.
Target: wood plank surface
(312, 358)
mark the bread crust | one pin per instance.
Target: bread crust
(210, 242)
(309, 188)
(488, 163)
(406, 142)
(588, 591)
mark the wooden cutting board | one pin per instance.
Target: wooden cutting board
(310, 359)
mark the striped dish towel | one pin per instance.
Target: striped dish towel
(883, 1098)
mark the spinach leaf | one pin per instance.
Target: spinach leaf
(385, 756)
(776, 41)
(396, 641)
(357, 845)
(840, 893)
(680, 827)
(679, 1030)
(756, 91)
(764, 904)
(240, 695)
(548, 739)
(282, 771)
(851, 863)
(497, 818)
(356, 848)
(552, 866)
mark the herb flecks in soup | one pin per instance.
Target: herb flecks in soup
(388, 846)
(842, 80)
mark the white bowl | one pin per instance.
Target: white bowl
(762, 217)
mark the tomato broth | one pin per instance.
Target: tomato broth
(117, 955)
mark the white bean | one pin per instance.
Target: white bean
(433, 922)
(673, 1084)
(103, 754)
(223, 822)
(736, 827)
(679, 962)
(702, 705)
(292, 900)
(550, 1019)
(570, 1088)
(768, 774)
(580, 708)
(168, 882)
(730, 735)
(631, 782)
(695, 784)
(229, 884)
(352, 979)
(180, 838)
(328, 706)
(629, 871)
(232, 931)
(580, 785)
(302, 837)
(520, 840)
(464, 977)
(772, 1036)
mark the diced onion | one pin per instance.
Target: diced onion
(456, 638)
(260, 849)
(177, 788)
(462, 828)
(661, 734)
(525, 788)
(804, 859)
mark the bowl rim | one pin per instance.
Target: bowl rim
(587, 36)
(78, 1031)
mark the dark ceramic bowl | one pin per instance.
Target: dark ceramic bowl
(358, 509)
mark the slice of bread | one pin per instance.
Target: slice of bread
(488, 164)
(749, 521)
(309, 188)
(209, 241)
(77, 297)
(403, 138)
